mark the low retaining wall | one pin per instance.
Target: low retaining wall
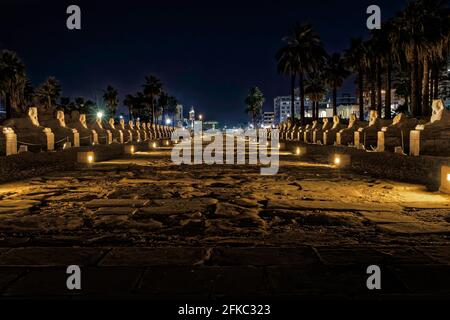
(424, 170)
(27, 165)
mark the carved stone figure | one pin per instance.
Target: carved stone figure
(397, 134)
(141, 130)
(346, 136)
(88, 136)
(367, 137)
(308, 133)
(30, 133)
(136, 133)
(127, 133)
(61, 131)
(432, 138)
(8, 141)
(329, 136)
(104, 135)
(318, 132)
(117, 134)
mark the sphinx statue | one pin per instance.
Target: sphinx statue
(346, 136)
(142, 131)
(367, 137)
(127, 133)
(8, 141)
(117, 134)
(308, 133)
(87, 136)
(136, 133)
(61, 131)
(329, 135)
(104, 135)
(433, 137)
(30, 133)
(396, 134)
(317, 136)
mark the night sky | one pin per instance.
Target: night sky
(207, 53)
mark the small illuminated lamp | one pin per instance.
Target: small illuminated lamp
(154, 145)
(90, 159)
(337, 160)
(200, 117)
(167, 142)
(132, 149)
(341, 160)
(279, 146)
(121, 117)
(86, 157)
(168, 121)
(297, 151)
(445, 179)
(129, 149)
(99, 114)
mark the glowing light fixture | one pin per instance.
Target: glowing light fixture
(337, 160)
(445, 179)
(168, 121)
(154, 145)
(99, 114)
(298, 151)
(90, 159)
(341, 160)
(86, 157)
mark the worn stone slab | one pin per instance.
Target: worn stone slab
(141, 256)
(8, 275)
(98, 203)
(203, 281)
(414, 228)
(440, 254)
(10, 206)
(51, 256)
(387, 217)
(348, 256)
(426, 205)
(176, 206)
(326, 281)
(115, 211)
(331, 206)
(430, 279)
(263, 256)
(45, 282)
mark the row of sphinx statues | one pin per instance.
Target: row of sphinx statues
(74, 131)
(408, 135)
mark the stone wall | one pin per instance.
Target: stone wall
(422, 169)
(27, 165)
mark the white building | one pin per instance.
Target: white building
(268, 119)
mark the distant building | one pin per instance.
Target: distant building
(208, 125)
(192, 117)
(268, 119)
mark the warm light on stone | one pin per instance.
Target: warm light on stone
(85, 157)
(341, 160)
(445, 179)
(129, 149)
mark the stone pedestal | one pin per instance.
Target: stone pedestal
(117, 134)
(445, 179)
(329, 136)
(367, 137)
(397, 134)
(87, 136)
(308, 133)
(62, 132)
(8, 141)
(30, 133)
(432, 138)
(318, 133)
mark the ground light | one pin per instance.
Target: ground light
(445, 179)
(167, 142)
(341, 160)
(154, 145)
(129, 149)
(299, 151)
(85, 157)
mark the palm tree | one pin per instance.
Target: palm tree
(129, 102)
(83, 106)
(152, 89)
(172, 105)
(254, 101)
(335, 73)
(163, 101)
(12, 80)
(48, 92)
(287, 65)
(304, 54)
(110, 99)
(354, 58)
(315, 90)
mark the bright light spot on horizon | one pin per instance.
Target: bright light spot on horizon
(168, 121)
(99, 114)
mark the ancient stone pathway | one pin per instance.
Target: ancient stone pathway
(166, 230)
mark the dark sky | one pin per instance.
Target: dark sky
(207, 53)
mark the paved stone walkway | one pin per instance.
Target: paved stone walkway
(143, 226)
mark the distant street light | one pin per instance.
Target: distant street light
(200, 117)
(168, 121)
(99, 114)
